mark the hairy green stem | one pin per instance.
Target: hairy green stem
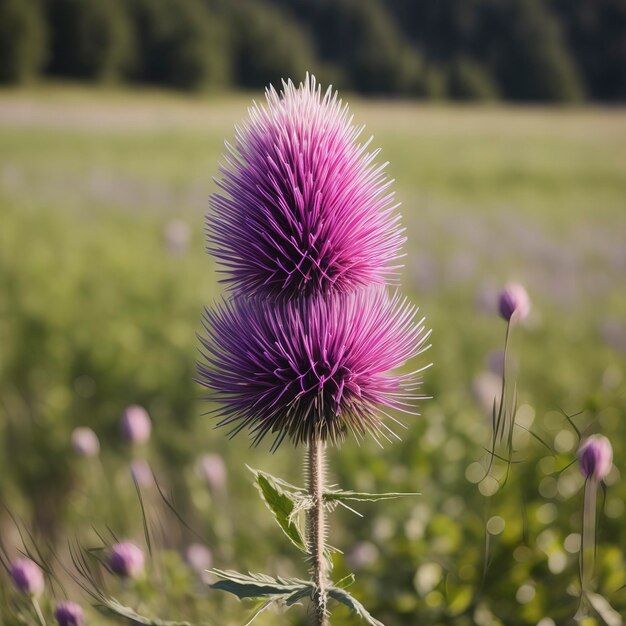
(316, 531)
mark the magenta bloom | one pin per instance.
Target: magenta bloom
(595, 457)
(514, 302)
(126, 560)
(311, 367)
(69, 614)
(27, 576)
(85, 442)
(135, 424)
(305, 209)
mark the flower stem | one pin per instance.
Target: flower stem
(316, 530)
(38, 612)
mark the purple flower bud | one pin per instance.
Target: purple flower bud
(595, 457)
(363, 554)
(27, 576)
(212, 469)
(85, 442)
(514, 301)
(136, 425)
(126, 560)
(69, 614)
(199, 557)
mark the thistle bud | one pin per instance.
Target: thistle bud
(126, 560)
(69, 614)
(85, 442)
(595, 457)
(514, 302)
(27, 576)
(135, 425)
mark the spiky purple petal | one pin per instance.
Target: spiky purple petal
(304, 208)
(311, 367)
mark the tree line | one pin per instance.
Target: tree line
(523, 50)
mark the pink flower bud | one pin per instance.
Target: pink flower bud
(135, 424)
(514, 302)
(595, 457)
(212, 469)
(126, 560)
(69, 614)
(199, 557)
(85, 442)
(27, 576)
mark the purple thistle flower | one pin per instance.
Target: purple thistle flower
(126, 560)
(305, 209)
(311, 367)
(85, 442)
(514, 302)
(27, 576)
(595, 457)
(135, 424)
(69, 614)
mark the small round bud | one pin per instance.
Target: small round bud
(514, 302)
(595, 457)
(85, 442)
(212, 469)
(126, 560)
(135, 424)
(69, 614)
(199, 557)
(27, 576)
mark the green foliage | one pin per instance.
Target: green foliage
(469, 80)
(345, 598)
(23, 40)
(90, 39)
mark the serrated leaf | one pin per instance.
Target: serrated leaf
(341, 595)
(111, 607)
(282, 505)
(360, 496)
(261, 586)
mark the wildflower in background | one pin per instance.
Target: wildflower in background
(27, 576)
(126, 560)
(514, 302)
(314, 368)
(212, 469)
(85, 442)
(135, 425)
(595, 457)
(69, 614)
(199, 558)
(306, 209)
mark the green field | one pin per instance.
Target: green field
(97, 313)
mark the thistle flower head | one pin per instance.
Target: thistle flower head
(69, 614)
(303, 208)
(311, 368)
(595, 457)
(135, 424)
(85, 442)
(126, 560)
(27, 576)
(514, 302)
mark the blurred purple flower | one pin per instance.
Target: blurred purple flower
(69, 614)
(126, 560)
(595, 457)
(27, 576)
(212, 469)
(141, 473)
(305, 209)
(487, 388)
(362, 555)
(311, 367)
(514, 302)
(199, 558)
(495, 362)
(177, 235)
(85, 442)
(135, 424)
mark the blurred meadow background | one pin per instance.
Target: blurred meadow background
(112, 124)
